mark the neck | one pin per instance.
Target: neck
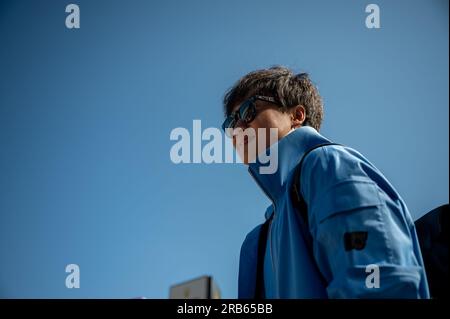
(289, 151)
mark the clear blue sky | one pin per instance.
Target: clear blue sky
(85, 118)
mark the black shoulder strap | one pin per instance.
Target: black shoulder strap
(297, 198)
(262, 243)
(301, 207)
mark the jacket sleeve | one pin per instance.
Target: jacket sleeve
(361, 240)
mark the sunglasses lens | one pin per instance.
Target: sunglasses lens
(228, 125)
(247, 112)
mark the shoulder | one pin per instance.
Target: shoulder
(336, 160)
(328, 166)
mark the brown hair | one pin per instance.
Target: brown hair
(282, 84)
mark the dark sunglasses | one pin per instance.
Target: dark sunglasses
(246, 112)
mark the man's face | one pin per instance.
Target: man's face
(268, 115)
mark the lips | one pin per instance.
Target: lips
(245, 140)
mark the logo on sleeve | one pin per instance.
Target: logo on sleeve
(355, 240)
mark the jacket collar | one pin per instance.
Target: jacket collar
(290, 151)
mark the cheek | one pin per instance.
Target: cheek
(272, 119)
(264, 120)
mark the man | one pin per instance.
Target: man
(356, 238)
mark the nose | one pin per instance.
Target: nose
(240, 123)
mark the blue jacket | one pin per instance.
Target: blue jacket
(345, 194)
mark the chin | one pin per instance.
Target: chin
(247, 152)
(245, 157)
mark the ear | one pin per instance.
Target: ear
(298, 116)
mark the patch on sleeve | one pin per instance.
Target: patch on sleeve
(355, 240)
